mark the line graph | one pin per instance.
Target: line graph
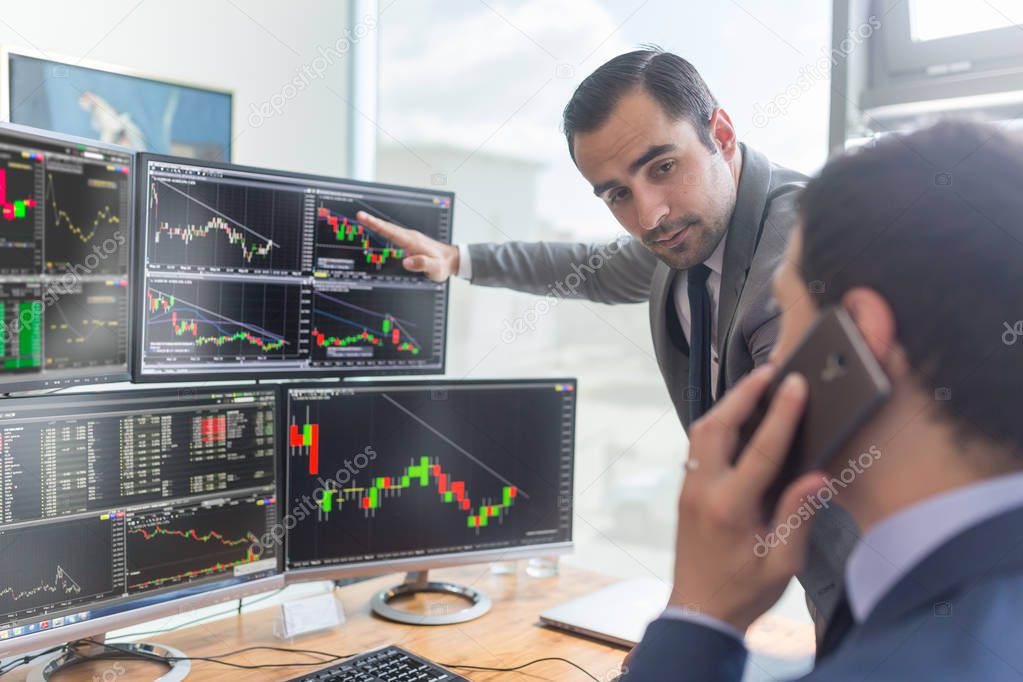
(343, 237)
(204, 318)
(192, 534)
(346, 248)
(62, 583)
(48, 565)
(84, 210)
(423, 474)
(448, 468)
(250, 250)
(87, 326)
(220, 226)
(256, 336)
(179, 545)
(350, 324)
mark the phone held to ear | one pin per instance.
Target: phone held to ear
(846, 387)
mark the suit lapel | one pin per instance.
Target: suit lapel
(669, 343)
(663, 287)
(740, 245)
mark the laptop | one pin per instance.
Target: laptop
(617, 614)
(779, 647)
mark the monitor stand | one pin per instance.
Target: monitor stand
(82, 652)
(416, 582)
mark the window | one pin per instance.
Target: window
(936, 19)
(471, 96)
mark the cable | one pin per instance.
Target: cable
(17, 663)
(168, 660)
(24, 660)
(520, 667)
(327, 656)
(330, 658)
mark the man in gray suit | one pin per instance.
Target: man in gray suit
(707, 219)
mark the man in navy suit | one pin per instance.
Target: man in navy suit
(920, 239)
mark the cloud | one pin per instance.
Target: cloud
(488, 77)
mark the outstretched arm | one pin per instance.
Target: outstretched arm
(612, 272)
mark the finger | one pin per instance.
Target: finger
(713, 437)
(796, 515)
(738, 403)
(761, 461)
(416, 263)
(400, 236)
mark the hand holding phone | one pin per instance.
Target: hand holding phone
(846, 387)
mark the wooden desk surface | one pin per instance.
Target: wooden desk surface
(507, 636)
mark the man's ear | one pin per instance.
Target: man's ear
(723, 133)
(874, 318)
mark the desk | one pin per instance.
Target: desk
(506, 636)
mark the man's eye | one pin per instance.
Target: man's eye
(619, 194)
(666, 166)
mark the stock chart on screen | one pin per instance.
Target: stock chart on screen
(65, 227)
(394, 471)
(251, 272)
(111, 498)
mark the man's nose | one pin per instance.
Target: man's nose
(651, 208)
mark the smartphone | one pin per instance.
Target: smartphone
(846, 387)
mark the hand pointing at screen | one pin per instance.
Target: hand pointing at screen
(436, 260)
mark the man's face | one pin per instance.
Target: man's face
(665, 187)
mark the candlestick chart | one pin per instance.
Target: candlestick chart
(429, 470)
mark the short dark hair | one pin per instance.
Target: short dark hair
(672, 81)
(933, 221)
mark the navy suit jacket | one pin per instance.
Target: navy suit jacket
(957, 615)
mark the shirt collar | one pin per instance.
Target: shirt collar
(898, 543)
(716, 260)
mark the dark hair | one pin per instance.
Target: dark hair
(672, 81)
(933, 221)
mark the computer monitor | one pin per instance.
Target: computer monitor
(388, 476)
(247, 272)
(124, 506)
(65, 241)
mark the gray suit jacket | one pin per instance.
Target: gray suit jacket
(627, 272)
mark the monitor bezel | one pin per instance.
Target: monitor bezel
(138, 287)
(28, 384)
(170, 605)
(445, 560)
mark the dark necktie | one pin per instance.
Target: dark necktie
(840, 623)
(698, 394)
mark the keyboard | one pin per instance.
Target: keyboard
(390, 664)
